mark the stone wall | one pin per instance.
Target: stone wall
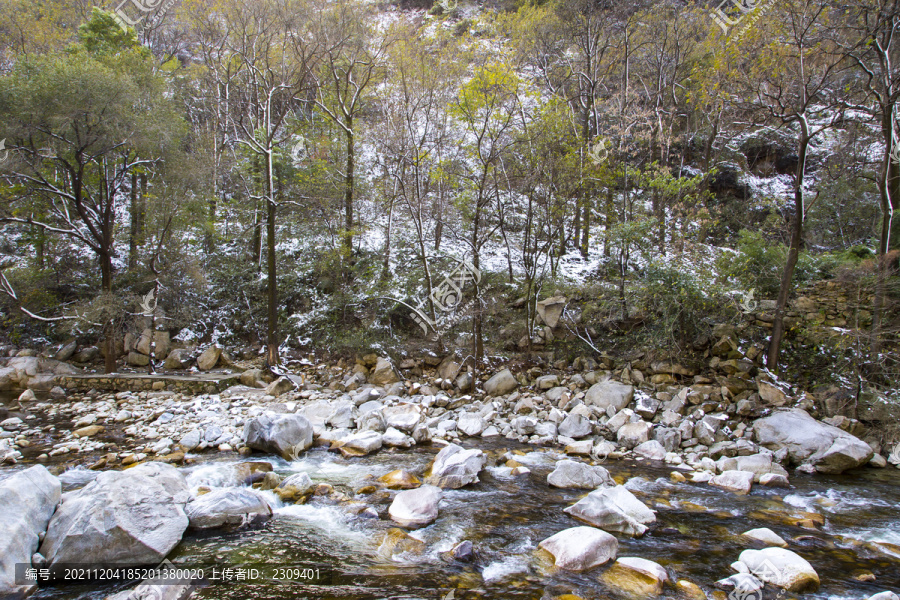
(142, 383)
(824, 305)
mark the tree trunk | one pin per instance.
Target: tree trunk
(348, 195)
(106, 285)
(610, 221)
(272, 270)
(794, 252)
(586, 227)
(888, 191)
(136, 229)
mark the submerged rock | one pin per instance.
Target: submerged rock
(454, 467)
(578, 475)
(613, 509)
(416, 508)
(581, 548)
(400, 480)
(636, 577)
(133, 517)
(227, 506)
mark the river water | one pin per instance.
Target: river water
(697, 535)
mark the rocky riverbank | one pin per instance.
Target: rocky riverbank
(731, 428)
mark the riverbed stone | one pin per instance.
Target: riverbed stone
(739, 482)
(132, 517)
(27, 501)
(827, 448)
(284, 434)
(396, 439)
(766, 536)
(634, 434)
(470, 424)
(226, 506)
(417, 507)
(299, 481)
(502, 383)
(636, 577)
(609, 393)
(280, 386)
(362, 443)
(613, 509)
(454, 467)
(782, 568)
(573, 474)
(404, 417)
(400, 479)
(651, 449)
(581, 548)
(575, 426)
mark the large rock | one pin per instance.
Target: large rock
(404, 417)
(226, 506)
(637, 577)
(609, 393)
(575, 426)
(133, 517)
(651, 449)
(634, 434)
(613, 509)
(136, 359)
(209, 358)
(782, 568)
(66, 351)
(771, 394)
(829, 449)
(280, 386)
(578, 475)
(383, 373)
(454, 467)
(501, 383)
(362, 443)
(738, 482)
(283, 434)
(581, 548)
(550, 310)
(470, 424)
(27, 501)
(178, 359)
(417, 507)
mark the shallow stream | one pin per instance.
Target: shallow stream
(697, 535)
